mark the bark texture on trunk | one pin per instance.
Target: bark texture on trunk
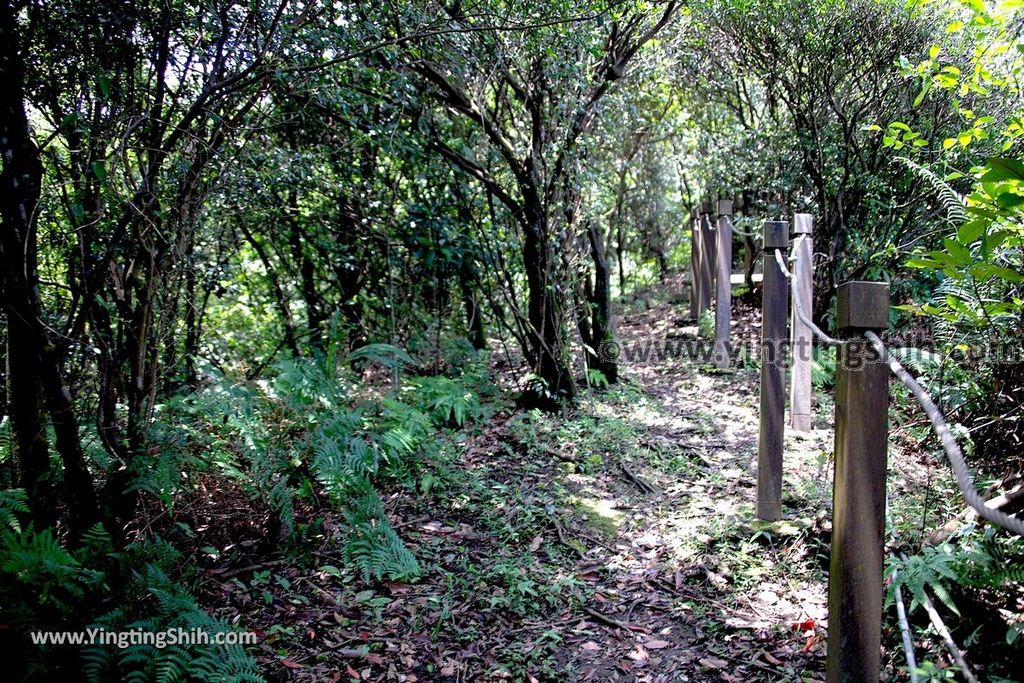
(601, 308)
(35, 381)
(468, 283)
(550, 345)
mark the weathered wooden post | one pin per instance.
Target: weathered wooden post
(801, 337)
(695, 271)
(774, 309)
(749, 247)
(707, 257)
(858, 495)
(723, 289)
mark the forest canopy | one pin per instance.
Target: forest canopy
(288, 258)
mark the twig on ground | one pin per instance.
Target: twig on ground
(908, 642)
(611, 621)
(324, 592)
(560, 532)
(411, 522)
(947, 638)
(641, 483)
(1009, 502)
(249, 568)
(716, 579)
(748, 662)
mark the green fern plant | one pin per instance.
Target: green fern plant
(597, 378)
(45, 587)
(13, 502)
(340, 464)
(302, 384)
(450, 402)
(231, 429)
(403, 434)
(310, 426)
(172, 609)
(823, 368)
(951, 200)
(6, 439)
(373, 544)
(388, 355)
(990, 559)
(932, 568)
(706, 325)
(37, 559)
(987, 559)
(952, 384)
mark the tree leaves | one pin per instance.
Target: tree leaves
(1003, 168)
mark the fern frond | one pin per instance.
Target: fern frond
(13, 502)
(951, 200)
(374, 545)
(388, 355)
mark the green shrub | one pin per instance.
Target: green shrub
(45, 587)
(823, 368)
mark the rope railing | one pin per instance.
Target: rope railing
(949, 444)
(797, 303)
(738, 230)
(956, 458)
(863, 366)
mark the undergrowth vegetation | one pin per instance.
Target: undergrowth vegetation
(310, 434)
(367, 327)
(97, 589)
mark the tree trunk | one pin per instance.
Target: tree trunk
(280, 299)
(192, 325)
(749, 245)
(307, 274)
(83, 510)
(474, 315)
(602, 323)
(620, 230)
(137, 321)
(28, 421)
(35, 381)
(19, 194)
(545, 314)
(582, 301)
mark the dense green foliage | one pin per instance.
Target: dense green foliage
(293, 250)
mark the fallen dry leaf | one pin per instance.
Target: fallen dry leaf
(713, 662)
(639, 655)
(657, 644)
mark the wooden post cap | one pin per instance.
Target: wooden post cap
(724, 207)
(706, 207)
(803, 223)
(863, 305)
(776, 234)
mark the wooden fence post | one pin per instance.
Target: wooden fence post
(749, 246)
(858, 497)
(801, 338)
(695, 268)
(774, 310)
(723, 289)
(707, 257)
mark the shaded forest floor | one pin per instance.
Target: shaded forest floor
(614, 544)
